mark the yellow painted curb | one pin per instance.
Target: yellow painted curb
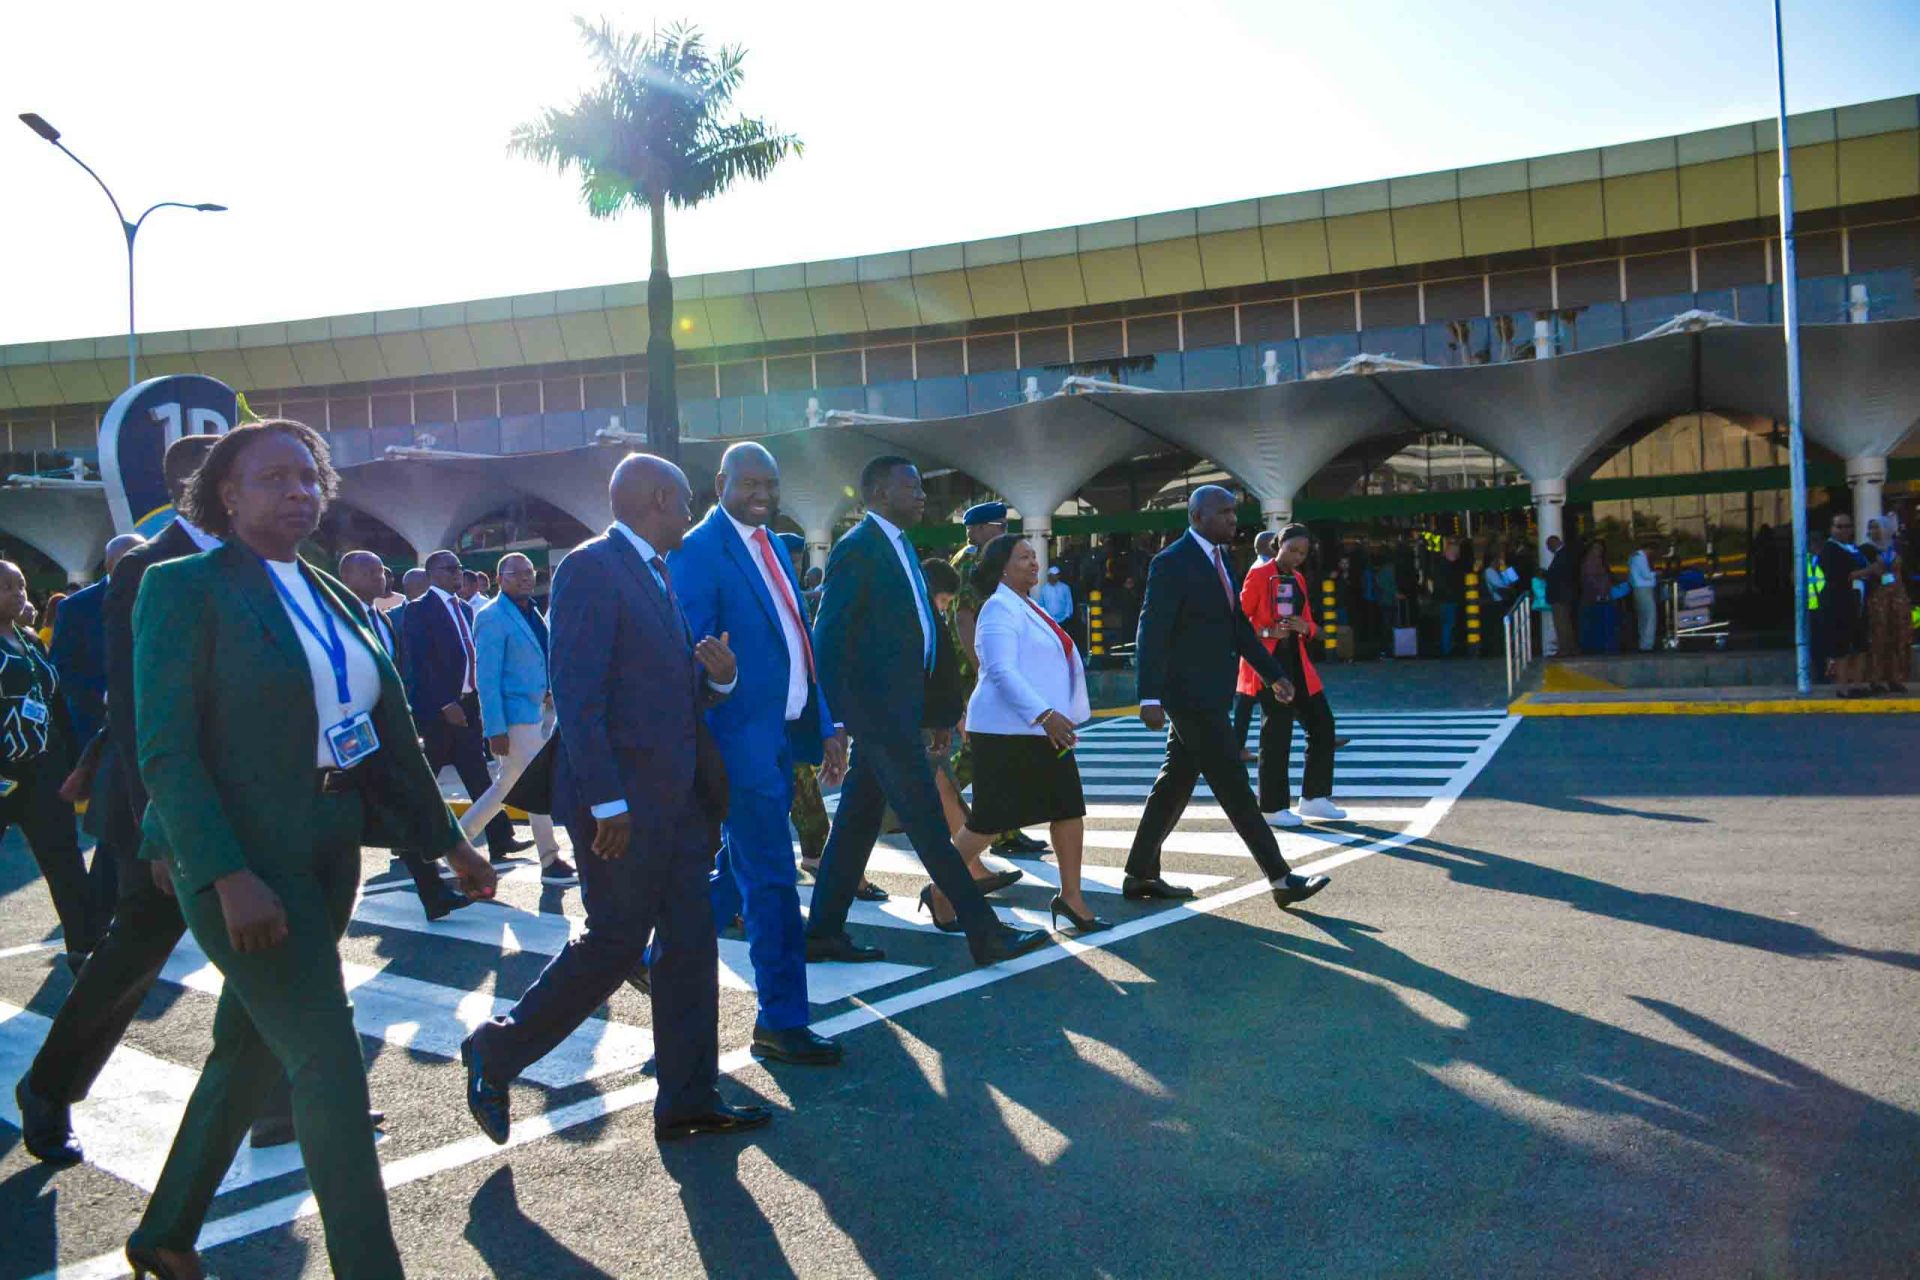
(1558, 678)
(1525, 706)
(1113, 712)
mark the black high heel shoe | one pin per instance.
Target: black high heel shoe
(926, 904)
(1081, 924)
(148, 1262)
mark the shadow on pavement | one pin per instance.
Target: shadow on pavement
(512, 1243)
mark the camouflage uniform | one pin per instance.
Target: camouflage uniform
(809, 812)
(961, 766)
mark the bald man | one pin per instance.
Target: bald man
(640, 786)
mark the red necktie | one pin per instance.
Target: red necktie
(1226, 583)
(784, 592)
(1066, 641)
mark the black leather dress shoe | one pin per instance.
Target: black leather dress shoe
(507, 848)
(798, 1045)
(1137, 889)
(1019, 842)
(443, 904)
(46, 1128)
(720, 1119)
(487, 1101)
(1004, 943)
(1297, 888)
(842, 948)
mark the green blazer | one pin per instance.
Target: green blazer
(223, 701)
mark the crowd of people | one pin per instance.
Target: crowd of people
(241, 723)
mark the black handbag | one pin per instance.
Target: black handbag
(532, 792)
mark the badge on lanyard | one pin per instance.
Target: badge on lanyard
(353, 740)
(1283, 596)
(7, 787)
(33, 710)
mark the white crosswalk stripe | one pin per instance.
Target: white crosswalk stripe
(1402, 768)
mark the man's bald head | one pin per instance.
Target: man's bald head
(364, 575)
(651, 497)
(414, 583)
(119, 546)
(183, 458)
(748, 485)
(1210, 512)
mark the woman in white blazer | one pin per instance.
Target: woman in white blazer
(1031, 692)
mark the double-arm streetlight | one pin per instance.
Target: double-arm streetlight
(131, 229)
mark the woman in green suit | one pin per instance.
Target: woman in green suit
(273, 733)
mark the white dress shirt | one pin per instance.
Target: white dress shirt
(363, 675)
(782, 593)
(201, 538)
(910, 566)
(464, 629)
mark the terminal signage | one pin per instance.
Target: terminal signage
(134, 437)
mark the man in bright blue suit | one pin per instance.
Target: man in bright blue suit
(878, 640)
(733, 579)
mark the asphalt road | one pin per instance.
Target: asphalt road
(1642, 1004)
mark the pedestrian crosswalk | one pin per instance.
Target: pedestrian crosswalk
(411, 979)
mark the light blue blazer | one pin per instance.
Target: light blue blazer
(511, 671)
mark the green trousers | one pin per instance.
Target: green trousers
(809, 813)
(286, 1008)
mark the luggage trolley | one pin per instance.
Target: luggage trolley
(1689, 612)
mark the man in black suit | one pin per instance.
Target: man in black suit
(877, 645)
(437, 637)
(146, 919)
(366, 577)
(639, 783)
(1192, 634)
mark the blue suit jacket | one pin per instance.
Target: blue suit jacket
(436, 663)
(721, 591)
(867, 640)
(79, 654)
(627, 690)
(512, 668)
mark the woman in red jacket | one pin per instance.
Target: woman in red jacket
(1274, 596)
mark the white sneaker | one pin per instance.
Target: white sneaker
(1284, 818)
(1322, 808)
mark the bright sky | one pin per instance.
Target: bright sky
(361, 146)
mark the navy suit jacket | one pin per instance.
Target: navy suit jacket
(436, 665)
(123, 592)
(721, 591)
(868, 644)
(79, 653)
(627, 691)
(1193, 633)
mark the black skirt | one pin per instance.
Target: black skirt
(1020, 780)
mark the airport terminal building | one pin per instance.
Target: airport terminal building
(1591, 336)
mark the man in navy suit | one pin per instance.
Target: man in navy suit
(733, 579)
(876, 641)
(79, 649)
(641, 789)
(442, 665)
(1192, 635)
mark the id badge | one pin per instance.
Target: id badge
(1283, 598)
(7, 787)
(353, 741)
(33, 710)
(1886, 579)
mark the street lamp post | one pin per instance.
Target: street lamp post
(1796, 438)
(129, 229)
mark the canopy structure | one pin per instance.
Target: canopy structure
(1549, 417)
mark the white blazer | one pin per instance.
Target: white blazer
(1024, 670)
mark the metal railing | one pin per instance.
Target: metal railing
(1518, 625)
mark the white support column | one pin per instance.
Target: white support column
(1276, 512)
(1867, 477)
(1039, 533)
(1549, 496)
(819, 543)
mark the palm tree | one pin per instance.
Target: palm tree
(658, 129)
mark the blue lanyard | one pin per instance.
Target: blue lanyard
(336, 647)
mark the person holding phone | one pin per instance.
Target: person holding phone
(1275, 600)
(1031, 693)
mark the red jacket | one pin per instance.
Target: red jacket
(1256, 599)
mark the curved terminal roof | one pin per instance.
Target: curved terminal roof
(1849, 155)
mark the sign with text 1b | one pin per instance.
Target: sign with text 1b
(134, 437)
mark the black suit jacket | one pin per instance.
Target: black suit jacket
(436, 665)
(1193, 634)
(869, 647)
(123, 590)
